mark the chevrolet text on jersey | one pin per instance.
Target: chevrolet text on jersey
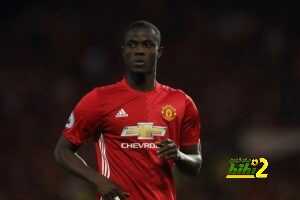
(137, 145)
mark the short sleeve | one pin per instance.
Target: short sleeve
(190, 129)
(84, 119)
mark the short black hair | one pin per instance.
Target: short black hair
(140, 24)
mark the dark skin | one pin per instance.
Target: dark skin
(66, 156)
(143, 44)
(141, 51)
(140, 54)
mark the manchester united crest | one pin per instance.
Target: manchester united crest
(168, 112)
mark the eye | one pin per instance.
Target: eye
(149, 44)
(131, 44)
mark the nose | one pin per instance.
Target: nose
(139, 51)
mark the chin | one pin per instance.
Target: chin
(139, 69)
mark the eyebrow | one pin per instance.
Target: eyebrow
(136, 41)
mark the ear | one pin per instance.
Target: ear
(122, 52)
(160, 51)
(122, 49)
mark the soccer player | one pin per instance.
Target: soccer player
(141, 128)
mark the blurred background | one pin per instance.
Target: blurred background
(240, 62)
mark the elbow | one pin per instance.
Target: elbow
(193, 168)
(197, 169)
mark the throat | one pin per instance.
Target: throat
(142, 82)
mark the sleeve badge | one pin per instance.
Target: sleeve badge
(71, 121)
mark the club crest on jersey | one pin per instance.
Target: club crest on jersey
(168, 112)
(144, 131)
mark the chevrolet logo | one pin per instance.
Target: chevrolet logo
(144, 131)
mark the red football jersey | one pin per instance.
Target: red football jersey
(126, 124)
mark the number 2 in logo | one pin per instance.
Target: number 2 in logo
(259, 173)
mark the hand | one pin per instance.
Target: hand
(110, 191)
(168, 149)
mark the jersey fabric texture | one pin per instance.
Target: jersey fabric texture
(126, 124)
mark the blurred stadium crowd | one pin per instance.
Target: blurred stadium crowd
(241, 65)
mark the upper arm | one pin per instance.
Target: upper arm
(194, 149)
(84, 120)
(64, 148)
(64, 144)
(190, 127)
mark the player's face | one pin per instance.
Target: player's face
(141, 50)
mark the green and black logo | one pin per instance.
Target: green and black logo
(247, 168)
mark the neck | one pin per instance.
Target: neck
(140, 81)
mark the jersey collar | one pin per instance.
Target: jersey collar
(157, 85)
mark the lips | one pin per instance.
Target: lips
(139, 62)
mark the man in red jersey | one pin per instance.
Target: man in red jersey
(140, 127)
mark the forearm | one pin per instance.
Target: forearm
(76, 165)
(188, 163)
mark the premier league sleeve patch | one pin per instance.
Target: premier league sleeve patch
(71, 121)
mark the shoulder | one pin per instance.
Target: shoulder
(181, 96)
(179, 93)
(108, 89)
(95, 95)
